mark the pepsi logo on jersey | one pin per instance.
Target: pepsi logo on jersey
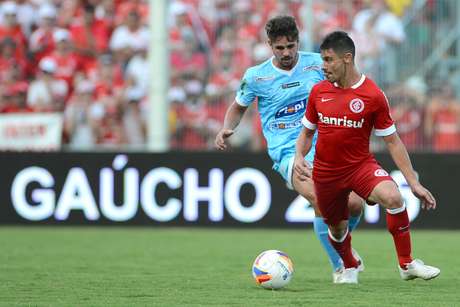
(292, 108)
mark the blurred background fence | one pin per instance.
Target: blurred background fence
(87, 63)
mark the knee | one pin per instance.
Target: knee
(392, 200)
(307, 193)
(355, 206)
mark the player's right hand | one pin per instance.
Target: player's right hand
(221, 137)
(302, 168)
(422, 193)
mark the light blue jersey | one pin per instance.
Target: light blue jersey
(282, 100)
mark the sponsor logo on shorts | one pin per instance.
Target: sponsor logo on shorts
(380, 173)
(292, 108)
(340, 121)
(356, 105)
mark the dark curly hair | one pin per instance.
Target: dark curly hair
(282, 26)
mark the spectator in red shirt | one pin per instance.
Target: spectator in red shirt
(41, 41)
(226, 45)
(9, 59)
(126, 7)
(66, 60)
(407, 113)
(188, 62)
(90, 36)
(106, 11)
(11, 28)
(442, 120)
(107, 77)
(14, 99)
(225, 76)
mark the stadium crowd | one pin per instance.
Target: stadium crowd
(88, 60)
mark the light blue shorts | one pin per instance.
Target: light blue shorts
(286, 166)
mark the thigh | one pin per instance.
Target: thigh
(306, 190)
(332, 202)
(355, 204)
(386, 193)
(367, 177)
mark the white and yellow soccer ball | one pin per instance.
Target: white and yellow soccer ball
(272, 269)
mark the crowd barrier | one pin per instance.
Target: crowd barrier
(190, 189)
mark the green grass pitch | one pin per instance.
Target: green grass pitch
(63, 266)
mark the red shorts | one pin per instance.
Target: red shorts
(332, 195)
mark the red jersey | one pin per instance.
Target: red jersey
(447, 129)
(67, 66)
(345, 119)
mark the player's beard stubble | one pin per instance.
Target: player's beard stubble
(337, 75)
(288, 62)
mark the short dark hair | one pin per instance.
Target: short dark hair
(340, 42)
(282, 26)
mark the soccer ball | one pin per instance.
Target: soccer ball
(272, 269)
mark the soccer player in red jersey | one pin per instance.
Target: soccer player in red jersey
(345, 108)
(281, 86)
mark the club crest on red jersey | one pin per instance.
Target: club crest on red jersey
(380, 173)
(356, 105)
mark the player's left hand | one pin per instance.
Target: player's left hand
(302, 168)
(428, 200)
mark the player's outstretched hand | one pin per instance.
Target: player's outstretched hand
(301, 168)
(428, 200)
(221, 137)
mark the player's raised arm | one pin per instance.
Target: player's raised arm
(401, 158)
(232, 119)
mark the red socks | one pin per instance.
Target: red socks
(398, 226)
(343, 248)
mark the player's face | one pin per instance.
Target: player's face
(285, 52)
(333, 65)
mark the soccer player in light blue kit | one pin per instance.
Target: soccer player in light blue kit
(282, 85)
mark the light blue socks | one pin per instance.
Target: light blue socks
(320, 229)
(353, 221)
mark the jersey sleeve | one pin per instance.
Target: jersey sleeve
(246, 94)
(310, 118)
(383, 124)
